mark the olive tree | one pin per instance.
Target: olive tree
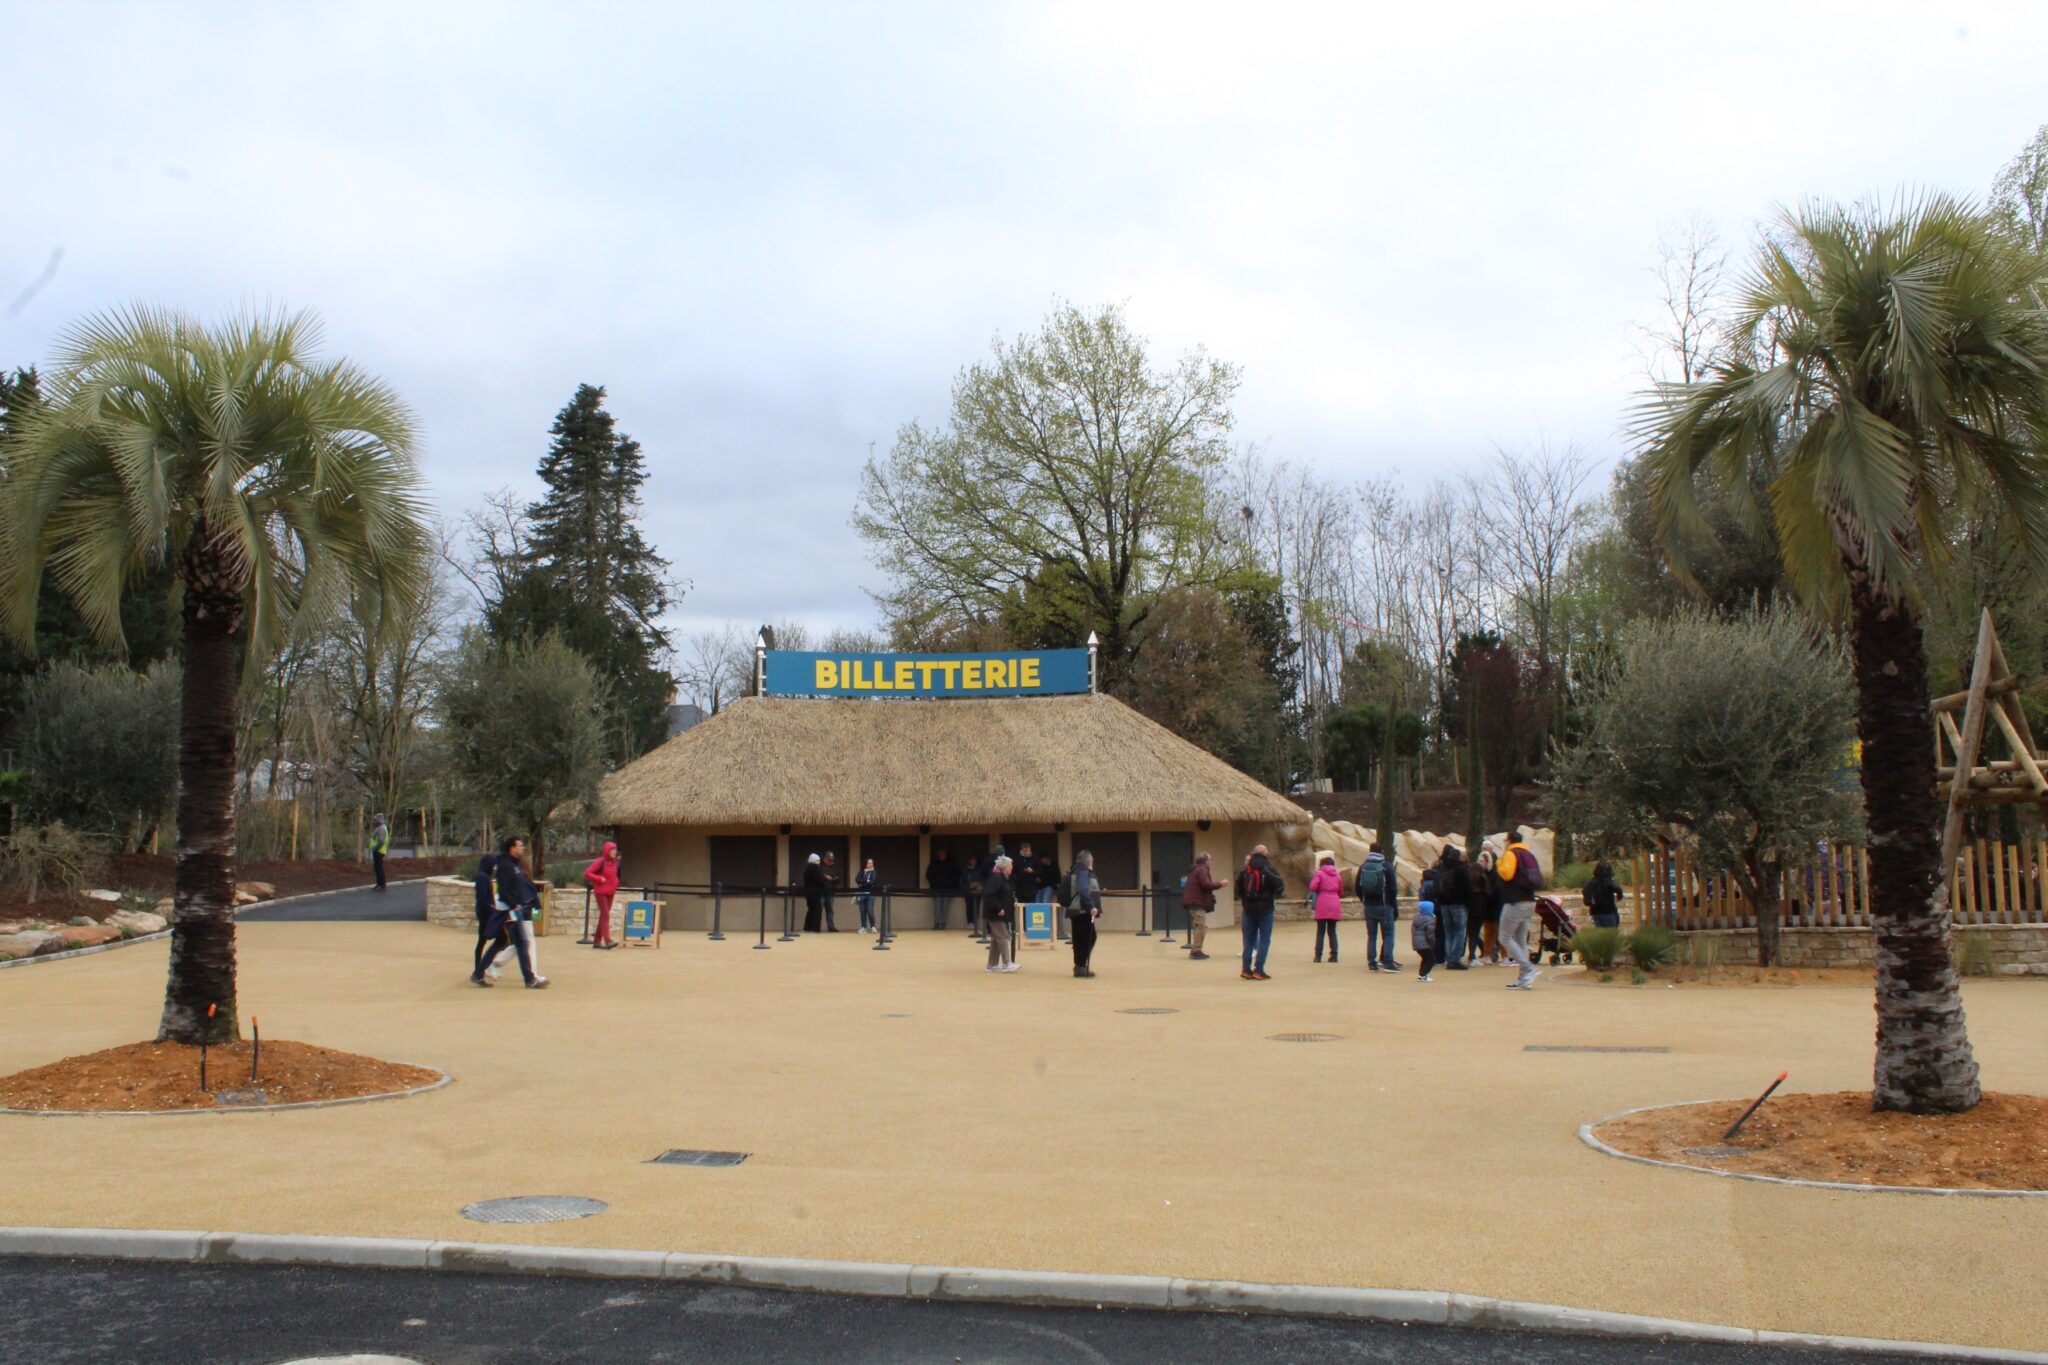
(100, 746)
(1731, 732)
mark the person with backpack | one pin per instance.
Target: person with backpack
(1453, 897)
(1084, 907)
(1198, 898)
(1520, 878)
(1603, 896)
(602, 876)
(1326, 889)
(1379, 892)
(1258, 886)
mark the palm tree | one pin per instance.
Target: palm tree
(268, 481)
(1893, 372)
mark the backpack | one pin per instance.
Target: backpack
(1372, 883)
(1526, 877)
(1065, 895)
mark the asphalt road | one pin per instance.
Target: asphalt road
(406, 900)
(108, 1312)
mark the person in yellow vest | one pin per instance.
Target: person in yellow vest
(1520, 877)
(380, 844)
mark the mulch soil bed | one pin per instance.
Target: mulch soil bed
(142, 1077)
(2002, 1144)
(150, 874)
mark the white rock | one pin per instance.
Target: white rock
(113, 896)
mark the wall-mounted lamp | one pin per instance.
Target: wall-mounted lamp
(1060, 827)
(924, 829)
(783, 828)
(1201, 824)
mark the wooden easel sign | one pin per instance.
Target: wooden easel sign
(1038, 923)
(643, 926)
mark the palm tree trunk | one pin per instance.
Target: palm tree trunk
(1924, 1062)
(203, 923)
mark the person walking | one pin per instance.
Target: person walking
(1379, 891)
(1453, 906)
(1258, 886)
(380, 844)
(602, 876)
(829, 871)
(864, 883)
(1603, 896)
(486, 885)
(1083, 910)
(1520, 879)
(517, 897)
(942, 878)
(1326, 888)
(1484, 907)
(998, 907)
(814, 894)
(1198, 898)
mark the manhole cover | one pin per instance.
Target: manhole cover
(895, 1016)
(240, 1097)
(678, 1156)
(533, 1208)
(1303, 1037)
(1717, 1153)
(1574, 1047)
(1150, 1009)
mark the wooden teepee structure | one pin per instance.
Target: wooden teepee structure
(1965, 776)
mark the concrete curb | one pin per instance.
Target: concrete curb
(166, 933)
(1587, 1136)
(232, 1108)
(950, 1283)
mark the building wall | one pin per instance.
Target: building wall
(681, 855)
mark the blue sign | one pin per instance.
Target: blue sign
(639, 919)
(801, 673)
(1038, 922)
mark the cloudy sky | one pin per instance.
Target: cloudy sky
(776, 232)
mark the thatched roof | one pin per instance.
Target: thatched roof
(855, 763)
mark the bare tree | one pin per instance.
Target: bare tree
(715, 666)
(1691, 274)
(1544, 491)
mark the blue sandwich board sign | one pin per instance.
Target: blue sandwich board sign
(1033, 673)
(1038, 922)
(641, 922)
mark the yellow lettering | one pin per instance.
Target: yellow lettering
(999, 673)
(1029, 670)
(970, 675)
(853, 675)
(828, 675)
(924, 674)
(951, 668)
(902, 681)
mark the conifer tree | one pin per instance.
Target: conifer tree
(586, 573)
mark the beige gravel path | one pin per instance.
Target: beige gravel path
(1021, 1121)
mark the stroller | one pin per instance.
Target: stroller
(1555, 931)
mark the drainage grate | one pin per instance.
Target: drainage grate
(1717, 1153)
(244, 1098)
(678, 1156)
(1573, 1047)
(533, 1208)
(1150, 1009)
(1303, 1037)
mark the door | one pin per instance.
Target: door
(1173, 852)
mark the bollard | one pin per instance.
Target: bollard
(717, 911)
(1144, 911)
(586, 917)
(762, 946)
(1166, 914)
(882, 924)
(788, 918)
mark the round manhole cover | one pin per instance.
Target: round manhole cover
(1304, 1037)
(895, 1016)
(533, 1208)
(1150, 1009)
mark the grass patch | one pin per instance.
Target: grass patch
(1651, 946)
(1599, 949)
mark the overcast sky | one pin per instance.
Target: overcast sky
(776, 232)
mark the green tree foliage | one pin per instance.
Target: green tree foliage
(268, 483)
(2019, 197)
(1894, 368)
(585, 573)
(100, 746)
(1067, 462)
(1354, 742)
(1734, 732)
(525, 724)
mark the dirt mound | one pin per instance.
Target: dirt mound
(144, 1077)
(2002, 1144)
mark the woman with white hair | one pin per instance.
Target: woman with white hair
(998, 908)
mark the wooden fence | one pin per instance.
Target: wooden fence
(1992, 883)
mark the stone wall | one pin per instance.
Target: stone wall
(2016, 949)
(451, 903)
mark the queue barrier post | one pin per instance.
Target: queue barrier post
(586, 916)
(886, 930)
(1144, 912)
(762, 946)
(882, 925)
(788, 918)
(717, 911)
(1166, 916)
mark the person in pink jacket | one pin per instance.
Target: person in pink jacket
(602, 876)
(1326, 890)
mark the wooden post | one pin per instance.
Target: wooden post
(1970, 739)
(295, 827)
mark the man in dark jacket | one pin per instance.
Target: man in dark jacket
(517, 897)
(1198, 898)
(1258, 886)
(830, 869)
(1453, 899)
(814, 894)
(942, 875)
(486, 907)
(1024, 876)
(999, 904)
(1379, 891)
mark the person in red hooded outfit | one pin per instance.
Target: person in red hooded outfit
(603, 879)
